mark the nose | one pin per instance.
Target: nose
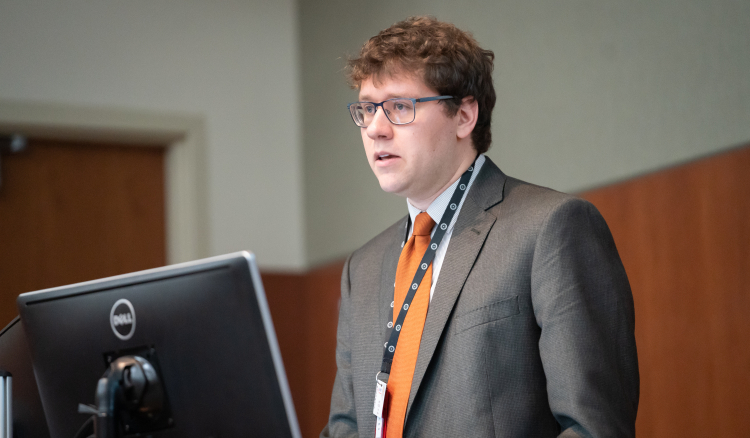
(380, 128)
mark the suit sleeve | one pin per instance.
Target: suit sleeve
(342, 420)
(584, 307)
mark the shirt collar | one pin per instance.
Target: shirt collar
(438, 206)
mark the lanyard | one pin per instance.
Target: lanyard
(389, 348)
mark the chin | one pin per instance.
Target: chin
(390, 186)
(388, 189)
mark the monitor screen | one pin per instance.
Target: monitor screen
(28, 417)
(202, 331)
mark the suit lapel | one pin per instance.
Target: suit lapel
(472, 227)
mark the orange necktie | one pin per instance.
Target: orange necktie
(407, 349)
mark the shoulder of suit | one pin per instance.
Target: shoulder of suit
(493, 180)
(518, 190)
(531, 200)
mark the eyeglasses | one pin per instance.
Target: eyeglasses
(399, 111)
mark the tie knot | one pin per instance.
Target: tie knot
(423, 224)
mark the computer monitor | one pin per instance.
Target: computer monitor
(197, 335)
(28, 416)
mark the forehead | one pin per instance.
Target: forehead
(390, 86)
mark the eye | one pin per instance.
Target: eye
(402, 106)
(369, 109)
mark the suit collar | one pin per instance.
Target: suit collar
(489, 187)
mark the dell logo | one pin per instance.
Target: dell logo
(122, 319)
(125, 318)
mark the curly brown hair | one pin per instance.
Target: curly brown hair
(447, 59)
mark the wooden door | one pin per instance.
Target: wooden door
(71, 212)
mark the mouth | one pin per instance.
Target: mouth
(385, 157)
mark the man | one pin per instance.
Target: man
(495, 308)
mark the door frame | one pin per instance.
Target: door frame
(185, 173)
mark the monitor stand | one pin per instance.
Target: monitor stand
(130, 399)
(6, 403)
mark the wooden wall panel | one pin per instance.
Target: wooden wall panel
(684, 238)
(324, 292)
(304, 308)
(287, 300)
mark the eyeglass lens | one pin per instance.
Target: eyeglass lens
(398, 111)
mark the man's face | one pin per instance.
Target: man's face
(417, 160)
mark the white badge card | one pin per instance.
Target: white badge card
(379, 398)
(379, 428)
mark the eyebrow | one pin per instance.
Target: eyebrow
(389, 96)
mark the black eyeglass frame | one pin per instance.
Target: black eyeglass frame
(413, 101)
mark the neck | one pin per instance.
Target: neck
(422, 203)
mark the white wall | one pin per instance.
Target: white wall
(233, 63)
(589, 92)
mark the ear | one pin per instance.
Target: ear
(467, 116)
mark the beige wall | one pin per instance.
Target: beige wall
(234, 64)
(589, 92)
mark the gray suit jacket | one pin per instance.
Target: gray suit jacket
(530, 332)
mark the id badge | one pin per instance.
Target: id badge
(380, 428)
(381, 409)
(380, 391)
